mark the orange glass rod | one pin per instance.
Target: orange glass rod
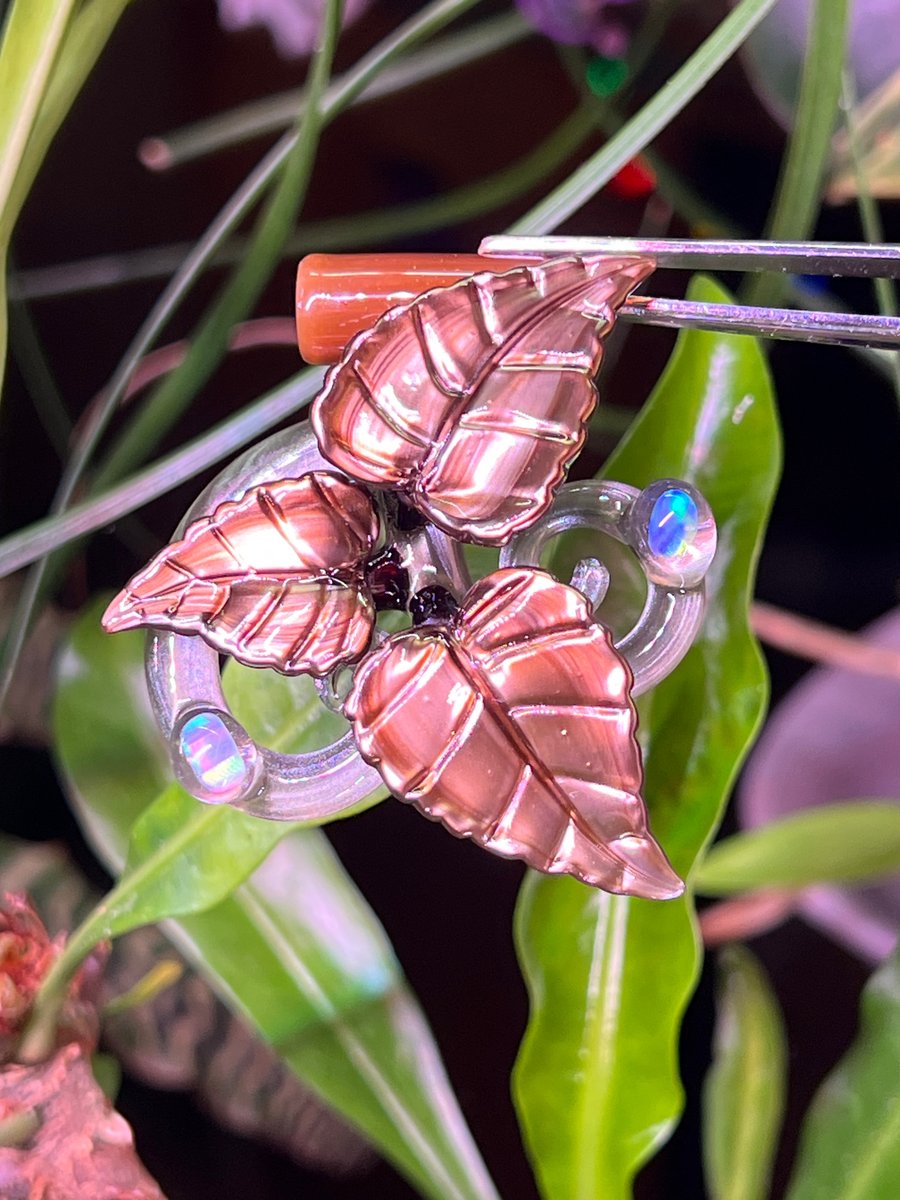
(339, 295)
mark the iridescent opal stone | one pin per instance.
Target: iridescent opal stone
(673, 523)
(211, 752)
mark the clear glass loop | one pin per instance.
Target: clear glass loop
(668, 526)
(214, 758)
(675, 596)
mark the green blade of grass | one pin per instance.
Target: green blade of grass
(273, 114)
(744, 1090)
(85, 40)
(799, 192)
(644, 126)
(420, 27)
(32, 37)
(218, 443)
(45, 58)
(209, 342)
(869, 215)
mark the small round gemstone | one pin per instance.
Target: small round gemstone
(673, 523)
(432, 604)
(211, 752)
(388, 581)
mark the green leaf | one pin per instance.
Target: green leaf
(44, 59)
(596, 1082)
(298, 952)
(800, 185)
(743, 1097)
(108, 1073)
(836, 843)
(32, 36)
(182, 856)
(850, 1142)
(295, 949)
(31, 39)
(180, 860)
(85, 38)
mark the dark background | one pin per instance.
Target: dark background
(447, 907)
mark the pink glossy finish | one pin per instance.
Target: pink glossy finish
(513, 725)
(473, 399)
(274, 579)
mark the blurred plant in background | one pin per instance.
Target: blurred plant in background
(294, 27)
(581, 23)
(270, 986)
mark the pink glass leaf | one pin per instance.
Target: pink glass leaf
(473, 399)
(513, 725)
(274, 578)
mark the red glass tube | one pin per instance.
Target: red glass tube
(339, 295)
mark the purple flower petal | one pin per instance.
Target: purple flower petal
(293, 24)
(577, 22)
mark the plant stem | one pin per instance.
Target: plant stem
(210, 341)
(799, 192)
(38, 379)
(32, 36)
(869, 214)
(221, 442)
(40, 1032)
(805, 638)
(649, 121)
(337, 233)
(740, 918)
(272, 114)
(423, 25)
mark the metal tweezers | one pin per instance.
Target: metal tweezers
(804, 258)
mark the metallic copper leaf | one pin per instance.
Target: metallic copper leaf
(473, 398)
(513, 725)
(274, 579)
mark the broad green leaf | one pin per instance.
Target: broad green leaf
(743, 1097)
(32, 36)
(85, 39)
(181, 859)
(295, 948)
(596, 1083)
(182, 856)
(31, 39)
(850, 1142)
(45, 57)
(836, 843)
